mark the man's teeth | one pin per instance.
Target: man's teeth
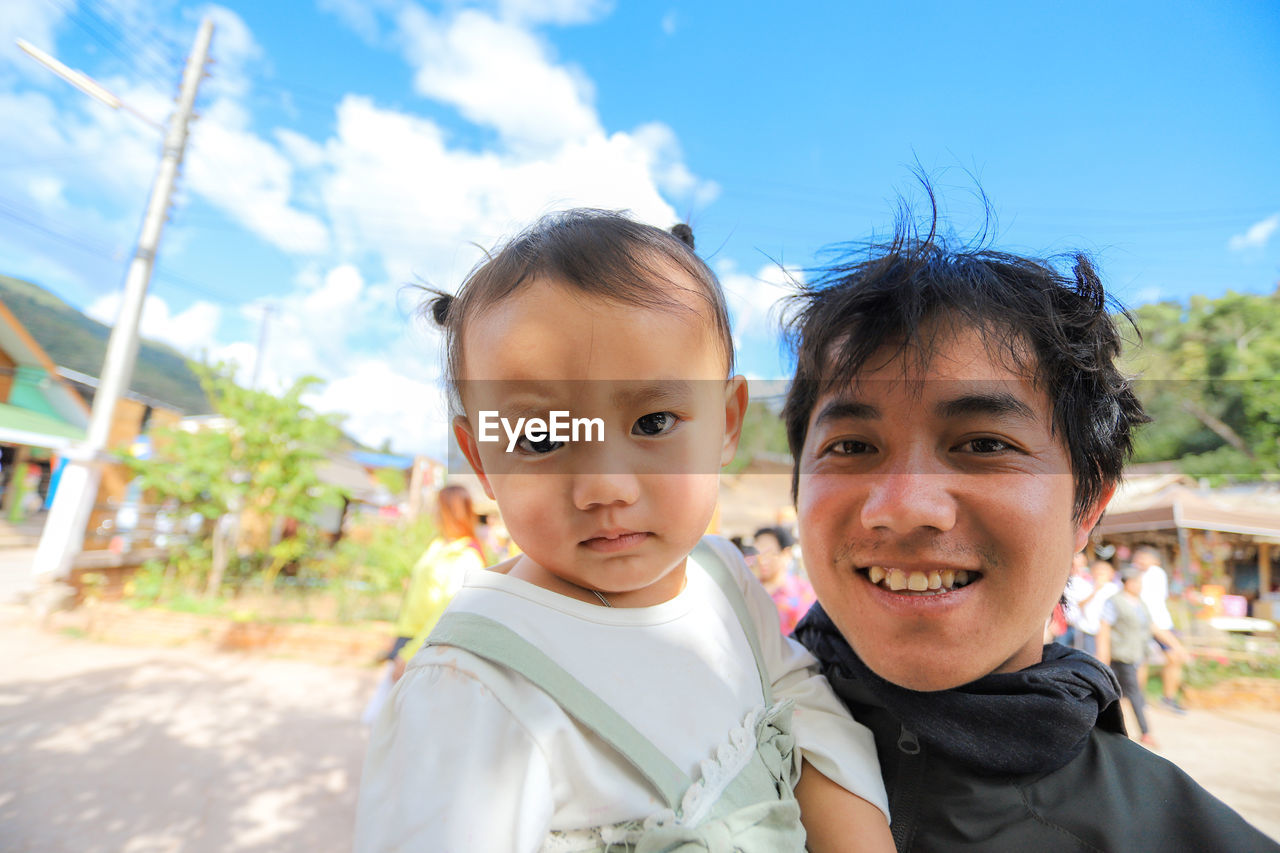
(897, 580)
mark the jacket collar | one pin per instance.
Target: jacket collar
(1031, 721)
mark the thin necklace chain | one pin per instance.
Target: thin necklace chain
(603, 600)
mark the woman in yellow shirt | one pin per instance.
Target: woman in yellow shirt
(438, 573)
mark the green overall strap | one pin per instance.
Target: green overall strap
(494, 642)
(714, 563)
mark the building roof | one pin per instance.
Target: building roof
(1169, 503)
(56, 416)
(33, 429)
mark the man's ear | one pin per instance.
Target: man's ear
(467, 442)
(735, 409)
(1091, 518)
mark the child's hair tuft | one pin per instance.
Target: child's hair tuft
(597, 253)
(682, 232)
(439, 306)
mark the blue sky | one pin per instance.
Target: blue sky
(348, 147)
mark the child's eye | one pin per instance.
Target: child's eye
(654, 423)
(537, 448)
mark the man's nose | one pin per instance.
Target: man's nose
(909, 496)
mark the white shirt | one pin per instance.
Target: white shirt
(470, 756)
(1155, 594)
(1091, 613)
(1078, 589)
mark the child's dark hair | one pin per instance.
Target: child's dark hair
(896, 294)
(597, 253)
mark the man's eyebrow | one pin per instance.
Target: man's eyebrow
(997, 403)
(846, 409)
(666, 392)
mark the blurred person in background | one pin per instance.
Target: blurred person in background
(1104, 586)
(791, 593)
(438, 574)
(1123, 635)
(1079, 585)
(1155, 594)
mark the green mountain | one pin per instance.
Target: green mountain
(77, 342)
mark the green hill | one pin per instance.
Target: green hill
(77, 342)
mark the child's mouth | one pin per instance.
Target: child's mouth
(918, 582)
(612, 542)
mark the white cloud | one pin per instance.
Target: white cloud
(382, 400)
(499, 75)
(386, 198)
(555, 11)
(360, 16)
(395, 189)
(189, 331)
(236, 52)
(235, 169)
(670, 22)
(388, 390)
(36, 21)
(667, 166)
(754, 300)
(1256, 236)
(251, 180)
(1148, 295)
(100, 152)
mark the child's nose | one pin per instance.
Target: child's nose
(605, 489)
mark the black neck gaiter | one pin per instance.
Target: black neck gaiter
(1031, 721)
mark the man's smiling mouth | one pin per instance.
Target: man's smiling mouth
(914, 581)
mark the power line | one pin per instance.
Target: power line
(163, 274)
(93, 32)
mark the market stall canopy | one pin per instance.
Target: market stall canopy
(34, 429)
(1172, 505)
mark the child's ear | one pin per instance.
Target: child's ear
(467, 442)
(735, 409)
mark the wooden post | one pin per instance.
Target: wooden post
(17, 480)
(1264, 569)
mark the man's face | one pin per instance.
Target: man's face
(935, 512)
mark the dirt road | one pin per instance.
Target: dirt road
(109, 748)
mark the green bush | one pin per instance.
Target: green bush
(370, 567)
(1207, 671)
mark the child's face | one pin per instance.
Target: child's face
(618, 515)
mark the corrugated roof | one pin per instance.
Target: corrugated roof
(1175, 506)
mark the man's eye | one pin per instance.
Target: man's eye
(538, 448)
(987, 445)
(654, 423)
(849, 447)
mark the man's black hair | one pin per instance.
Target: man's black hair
(906, 293)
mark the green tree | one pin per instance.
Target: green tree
(763, 434)
(1209, 378)
(261, 463)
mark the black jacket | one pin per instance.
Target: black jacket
(1030, 761)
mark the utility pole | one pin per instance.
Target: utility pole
(262, 345)
(64, 529)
